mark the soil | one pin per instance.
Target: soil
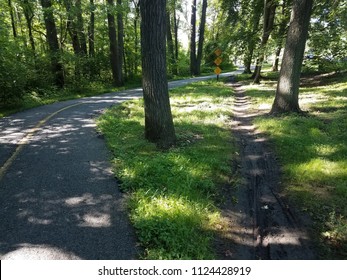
(261, 223)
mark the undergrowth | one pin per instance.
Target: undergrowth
(173, 193)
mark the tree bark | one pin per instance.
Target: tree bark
(116, 74)
(193, 68)
(52, 40)
(287, 93)
(201, 36)
(159, 126)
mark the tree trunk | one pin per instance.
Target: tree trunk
(29, 15)
(287, 93)
(201, 36)
(269, 17)
(193, 68)
(136, 39)
(91, 29)
(80, 29)
(159, 126)
(277, 59)
(72, 28)
(13, 24)
(52, 40)
(170, 44)
(176, 35)
(116, 74)
(120, 51)
(282, 30)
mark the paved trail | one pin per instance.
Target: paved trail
(58, 197)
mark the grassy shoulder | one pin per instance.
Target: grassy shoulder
(313, 153)
(173, 193)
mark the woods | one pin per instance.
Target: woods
(75, 44)
(267, 141)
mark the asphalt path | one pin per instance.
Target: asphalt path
(58, 196)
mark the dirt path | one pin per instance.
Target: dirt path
(261, 224)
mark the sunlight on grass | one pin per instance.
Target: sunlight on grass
(172, 193)
(313, 154)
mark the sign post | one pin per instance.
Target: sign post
(218, 61)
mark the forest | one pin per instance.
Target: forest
(76, 45)
(182, 154)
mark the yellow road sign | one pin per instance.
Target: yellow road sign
(217, 71)
(218, 61)
(218, 52)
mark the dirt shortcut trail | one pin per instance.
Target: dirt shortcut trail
(260, 224)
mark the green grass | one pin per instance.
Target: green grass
(313, 154)
(173, 194)
(48, 96)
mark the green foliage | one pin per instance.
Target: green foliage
(12, 69)
(172, 193)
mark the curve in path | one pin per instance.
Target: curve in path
(58, 196)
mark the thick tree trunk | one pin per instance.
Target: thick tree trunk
(52, 39)
(287, 93)
(193, 68)
(159, 126)
(201, 36)
(116, 74)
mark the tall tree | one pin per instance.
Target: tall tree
(201, 36)
(279, 33)
(52, 40)
(268, 23)
(287, 93)
(196, 56)
(114, 56)
(91, 29)
(159, 126)
(29, 15)
(80, 28)
(193, 68)
(13, 24)
(170, 44)
(120, 29)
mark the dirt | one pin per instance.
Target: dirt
(260, 223)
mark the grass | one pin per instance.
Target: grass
(48, 96)
(313, 153)
(173, 194)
